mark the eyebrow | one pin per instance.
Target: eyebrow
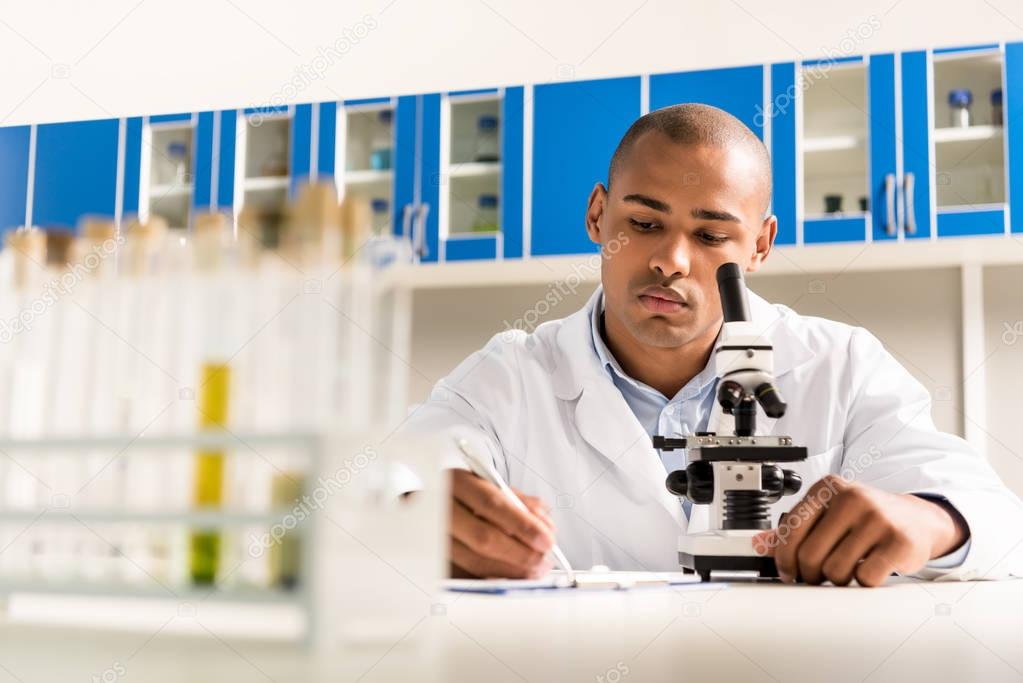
(655, 204)
(713, 215)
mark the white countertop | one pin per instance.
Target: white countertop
(907, 630)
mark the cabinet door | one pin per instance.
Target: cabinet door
(781, 111)
(576, 127)
(969, 140)
(1014, 130)
(480, 199)
(885, 172)
(270, 156)
(738, 90)
(917, 159)
(357, 149)
(75, 172)
(166, 166)
(821, 150)
(14, 153)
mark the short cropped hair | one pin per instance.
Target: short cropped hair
(694, 124)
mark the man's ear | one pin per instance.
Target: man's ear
(764, 243)
(595, 212)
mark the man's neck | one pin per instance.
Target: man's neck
(665, 369)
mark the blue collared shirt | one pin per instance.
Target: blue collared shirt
(687, 412)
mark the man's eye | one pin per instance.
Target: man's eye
(710, 238)
(641, 226)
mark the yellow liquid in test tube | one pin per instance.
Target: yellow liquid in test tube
(214, 398)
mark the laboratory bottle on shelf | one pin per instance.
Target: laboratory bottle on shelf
(486, 214)
(380, 147)
(177, 155)
(380, 216)
(487, 142)
(996, 107)
(959, 101)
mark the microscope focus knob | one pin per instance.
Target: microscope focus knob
(792, 483)
(695, 482)
(677, 483)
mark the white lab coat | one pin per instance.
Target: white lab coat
(557, 427)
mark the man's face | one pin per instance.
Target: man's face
(673, 215)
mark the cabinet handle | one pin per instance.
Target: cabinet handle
(889, 195)
(907, 187)
(419, 232)
(406, 220)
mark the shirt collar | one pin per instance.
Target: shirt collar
(696, 386)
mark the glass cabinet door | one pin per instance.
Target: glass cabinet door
(167, 175)
(834, 151)
(365, 161)
(969, 140)
(263, 155)
(470, 173)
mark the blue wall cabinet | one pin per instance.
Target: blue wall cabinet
(737, 90)
(576, 127)
(75, 172)
(14, 153)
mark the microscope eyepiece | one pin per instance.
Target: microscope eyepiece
(732, 288)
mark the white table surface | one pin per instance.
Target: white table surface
(907, 630)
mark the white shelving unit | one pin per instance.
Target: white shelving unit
(470, 162)
(166, 181)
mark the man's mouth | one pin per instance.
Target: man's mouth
(661, 300)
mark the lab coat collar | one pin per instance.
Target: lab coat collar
(577, 363)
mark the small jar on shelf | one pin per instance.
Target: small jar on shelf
(996, 107)
(382, 142)
(486, 214)
(381, 216)
(959, 101)
(488, 143)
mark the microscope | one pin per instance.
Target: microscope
(736, 472)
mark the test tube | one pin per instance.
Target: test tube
(23, 387)
(213, 394)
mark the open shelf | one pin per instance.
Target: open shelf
(474, 169)
(369, 177)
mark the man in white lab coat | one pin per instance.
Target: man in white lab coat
(567, 411)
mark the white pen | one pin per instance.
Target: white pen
(484, 469)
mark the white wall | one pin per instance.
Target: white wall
(67, 59)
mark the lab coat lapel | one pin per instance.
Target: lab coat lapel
(602, 417)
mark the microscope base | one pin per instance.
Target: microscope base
(704, 565)
(723, 551)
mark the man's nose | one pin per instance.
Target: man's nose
(671, 257)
